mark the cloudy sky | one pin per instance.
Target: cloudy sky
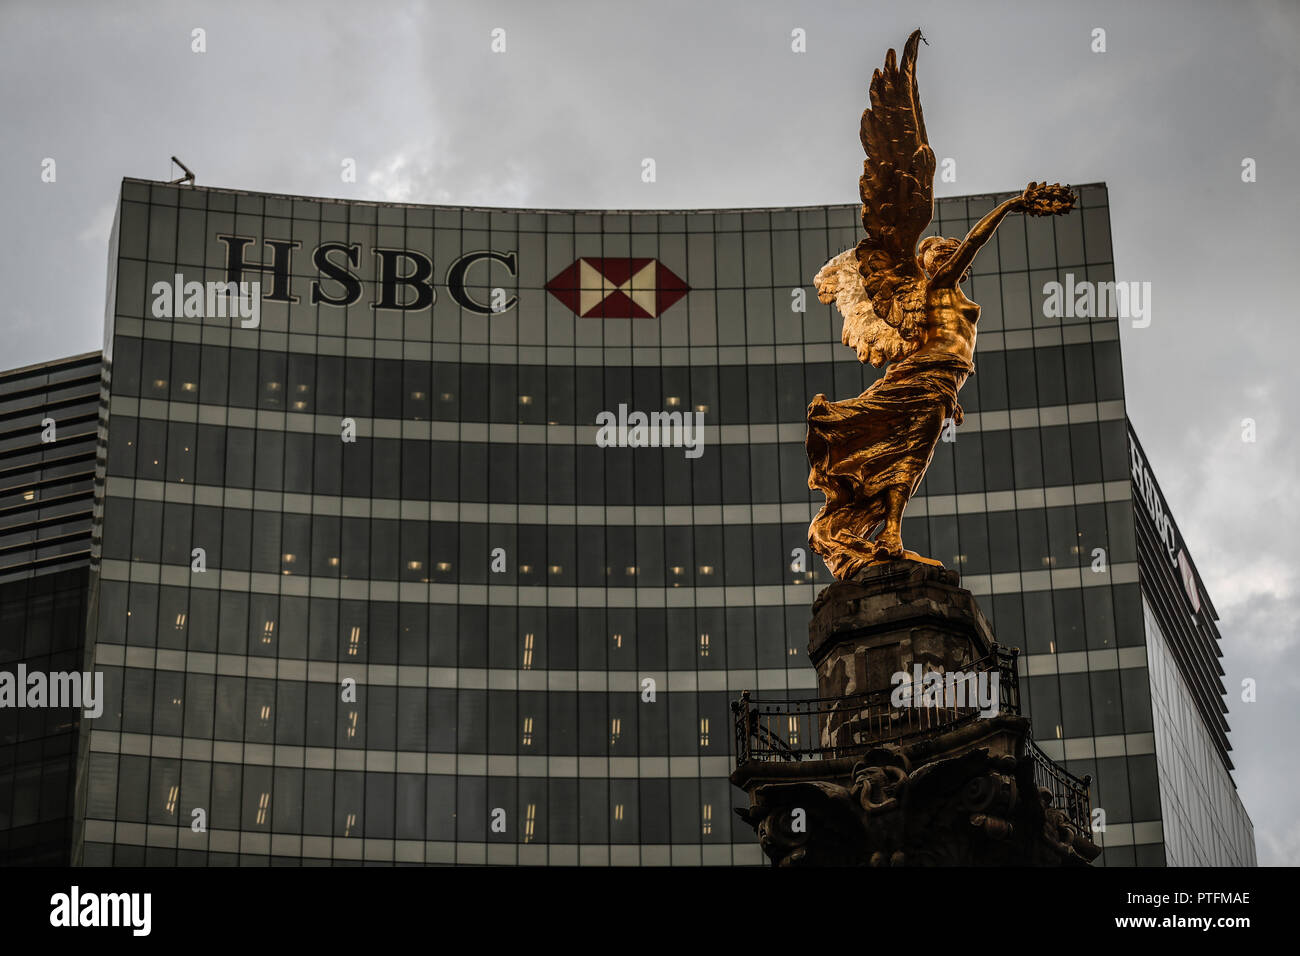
(733, 117)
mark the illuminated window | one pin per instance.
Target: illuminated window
(268, 632)
(615, 729)
(1049, 561)
(528, 731)
(618, 812)
(704, 731)
(528, 651)
(172, 794)
(618, 639)
(266, 712)
(349, 823)
(525, 399)
(180, 621)
(792, 737)
(352, 724)
(530, 822)
(704, 645)
(672, 401)
(354, 640)
(707, 823)
(706, 569)
(263, 807)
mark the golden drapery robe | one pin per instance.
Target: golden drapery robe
(883, 438)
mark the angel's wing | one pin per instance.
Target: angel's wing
(897, 188)
(874, 339)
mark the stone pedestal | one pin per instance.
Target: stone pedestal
(901, 761)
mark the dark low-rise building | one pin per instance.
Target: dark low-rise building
(49, 416)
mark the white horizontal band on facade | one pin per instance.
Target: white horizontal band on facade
(496, 854)
(218, 496)
(268, 338)
(782, 433)
(511, 765)
(771, 595)
(424, 851)
(733, 680)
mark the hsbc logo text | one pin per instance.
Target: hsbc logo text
(404, 276)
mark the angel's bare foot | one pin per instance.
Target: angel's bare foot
(889, 543)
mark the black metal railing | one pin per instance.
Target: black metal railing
(826, 728)
(829, 727)
(1069, 793)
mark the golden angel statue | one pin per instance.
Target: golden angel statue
(903, 306)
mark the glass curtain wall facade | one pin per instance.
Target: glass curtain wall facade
(48, 419)
(1203, 820)
(546, 621)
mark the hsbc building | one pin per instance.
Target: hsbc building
(451, 536)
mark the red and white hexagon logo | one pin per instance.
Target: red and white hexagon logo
(605, 288)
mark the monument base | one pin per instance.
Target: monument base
(915, 752)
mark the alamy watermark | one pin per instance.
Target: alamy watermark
(1087, 300)
(923, 688)
(208, 300)
(25, 688)
(626, 429)
(77, 909)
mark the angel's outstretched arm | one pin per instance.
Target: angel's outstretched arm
(951, 271)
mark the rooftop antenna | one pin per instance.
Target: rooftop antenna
(187, 179)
